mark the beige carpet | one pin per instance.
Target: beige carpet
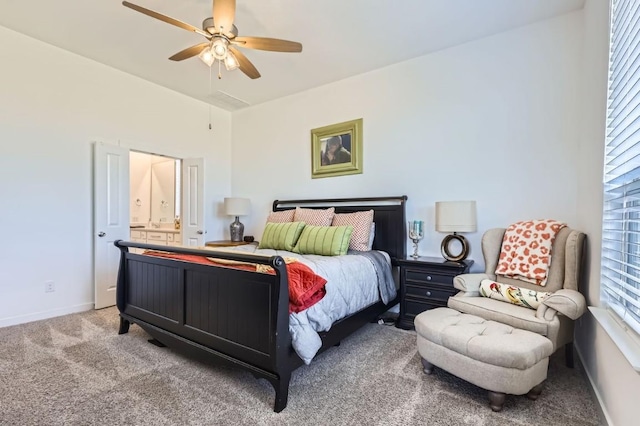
(76, 370)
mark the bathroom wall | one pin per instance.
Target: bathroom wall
(140, 188)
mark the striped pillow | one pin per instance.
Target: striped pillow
(316, 217)
(281, 236)
(324, 240)
(361, 222)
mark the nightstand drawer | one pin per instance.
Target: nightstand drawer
(429, 292)
(427, 277)
(414, 307)
(426, 283)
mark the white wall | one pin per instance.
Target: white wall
(615, 382)
(52, 105)
(494, 120)
(140, 187)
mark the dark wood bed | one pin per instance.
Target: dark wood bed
(240, 317)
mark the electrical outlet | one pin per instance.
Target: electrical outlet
(49, 286)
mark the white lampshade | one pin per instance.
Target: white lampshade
(456, 216)
(237, 206)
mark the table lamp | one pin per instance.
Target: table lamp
(237, 207)
(455, 216)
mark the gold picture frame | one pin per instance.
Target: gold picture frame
(336, 150)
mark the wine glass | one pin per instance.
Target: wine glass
(416, 232)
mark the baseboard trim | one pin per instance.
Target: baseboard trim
(36, 316)
(604, 415)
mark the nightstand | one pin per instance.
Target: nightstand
(226, 243)
(426, 283)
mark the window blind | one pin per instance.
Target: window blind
(620, 289)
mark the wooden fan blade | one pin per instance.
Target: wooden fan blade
(166, 19)
(244, 64)
(224, 13)
(264, 43)
(189, 52)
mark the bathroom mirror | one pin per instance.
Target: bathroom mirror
(154, 189)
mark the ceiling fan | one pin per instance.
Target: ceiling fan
(222, 38)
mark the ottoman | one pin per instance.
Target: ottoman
(489, 354)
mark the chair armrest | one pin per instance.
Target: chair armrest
(569, 303)
(469, 283)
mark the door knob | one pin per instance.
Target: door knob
(101, 234)
(199, 232)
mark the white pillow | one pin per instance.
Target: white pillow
(372, 235)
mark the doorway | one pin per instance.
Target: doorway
(113, 210)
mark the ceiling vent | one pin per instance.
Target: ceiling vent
(226, 101)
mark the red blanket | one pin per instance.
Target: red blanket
(306, 288)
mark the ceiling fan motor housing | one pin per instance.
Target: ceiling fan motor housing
(208, 26)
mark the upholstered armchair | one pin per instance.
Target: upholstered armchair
(555, 316)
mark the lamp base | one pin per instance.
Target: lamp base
(236, 229)
(446, 252)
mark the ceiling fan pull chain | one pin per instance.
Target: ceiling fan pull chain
(219, 69)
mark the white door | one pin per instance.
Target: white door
(111, 217)
(193, 202)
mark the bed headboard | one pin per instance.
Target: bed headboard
(388, 215)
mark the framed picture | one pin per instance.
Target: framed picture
(336, 150)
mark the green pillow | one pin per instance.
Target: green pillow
(281, 236)
(324, 240)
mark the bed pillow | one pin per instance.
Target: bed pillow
(512, 294)
(372, 235)
(281, 236)
(324, 240)
(281, 216)
(316, 217)
(361, 222)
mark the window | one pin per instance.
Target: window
(620, 290)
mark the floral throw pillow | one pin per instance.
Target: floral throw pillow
(509, 293)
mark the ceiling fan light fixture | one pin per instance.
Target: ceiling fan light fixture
(220, 37)
(230, 62)
(219, 48)
(206, 56)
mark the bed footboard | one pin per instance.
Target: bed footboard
(239, 317)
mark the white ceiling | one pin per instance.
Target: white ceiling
(340, 38)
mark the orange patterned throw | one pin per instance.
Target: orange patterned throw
(526, 250)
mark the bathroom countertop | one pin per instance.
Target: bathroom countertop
(171, 230)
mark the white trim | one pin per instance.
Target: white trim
(620, 336)
(36, 316)
(604, 414)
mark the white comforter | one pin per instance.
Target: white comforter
(352, 285)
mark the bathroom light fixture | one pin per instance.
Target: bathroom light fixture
(236, 207)
(455, 216)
